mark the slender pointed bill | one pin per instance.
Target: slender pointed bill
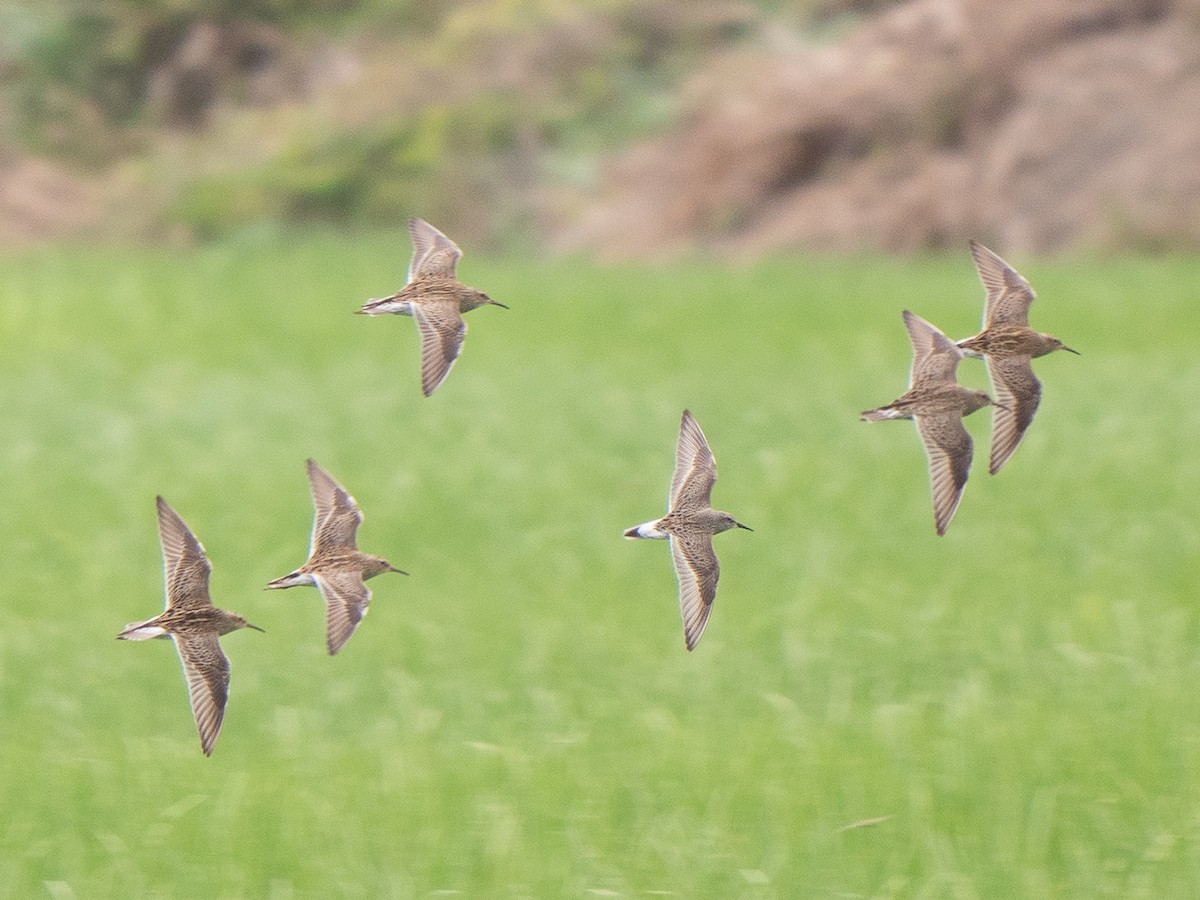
(689, 526)
(937, 403)
(1008, 344)
(335, 564)
(194, 624)
(436, 300)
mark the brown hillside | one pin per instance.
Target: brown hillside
(1038, 125)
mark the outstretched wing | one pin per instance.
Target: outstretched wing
(346, 600)
(1008, 294)
(335, 525)
(697, 569)
(434, 254)
(207, 673)
(948, 446)
(1018, 393)
(185, 564)
(695, 468)
(935, 356)
(442, 331)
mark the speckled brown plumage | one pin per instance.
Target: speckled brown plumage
(436, 300)
(1008, 344)
(335, 564)
(689, 525)
(937, 403)
(191, 620)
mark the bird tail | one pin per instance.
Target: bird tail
(142, 631)
(292, 579)
(645, 530)
(965, 345)
(884, 412)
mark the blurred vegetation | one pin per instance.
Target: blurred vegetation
(456, 101)
(89, 64)
(1014, 704)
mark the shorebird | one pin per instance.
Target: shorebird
(192, 621)
(689, 525)
(335, 564)
(436, 300)
(1008, 344)
(937, 403)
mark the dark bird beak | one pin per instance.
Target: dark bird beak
(394, 569)
(499, 304)
(360, 312)
(255, 627)
(1069, 350)
(740, 525)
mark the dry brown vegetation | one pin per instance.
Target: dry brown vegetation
(639, 129)
(1038, 125)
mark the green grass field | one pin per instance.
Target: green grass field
(1017, 702)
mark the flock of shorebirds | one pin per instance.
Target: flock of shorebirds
(436, 300)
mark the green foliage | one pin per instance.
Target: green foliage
(435, 161)
(1011, 705)
(86, 69)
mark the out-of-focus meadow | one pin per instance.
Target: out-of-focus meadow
(519, 717)
(193, 202)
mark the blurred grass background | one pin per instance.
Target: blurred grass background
(519, 717)
(873, 711)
